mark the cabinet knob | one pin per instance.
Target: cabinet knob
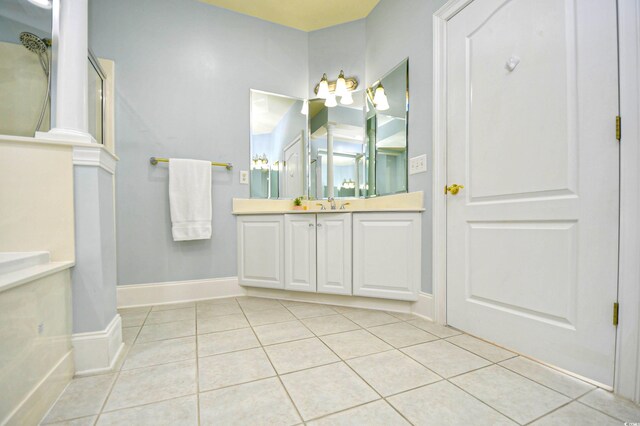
(311, 225)
(319, 225)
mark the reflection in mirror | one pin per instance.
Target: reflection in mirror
(278, 146)
(25, 63)
(387, 114)
(337, 149)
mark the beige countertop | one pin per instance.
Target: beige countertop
(317, 211)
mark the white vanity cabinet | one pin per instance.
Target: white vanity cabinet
(261, 250)
(386, 255)
(300, 252)
(361, 254)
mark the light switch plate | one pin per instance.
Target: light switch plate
(418, 164)
(244, 177)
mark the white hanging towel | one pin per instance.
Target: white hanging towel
(190, 199)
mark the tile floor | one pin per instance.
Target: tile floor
(248, 360)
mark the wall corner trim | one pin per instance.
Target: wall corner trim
(424, 307)
(98, 351)
(96, 156)
(177, 291)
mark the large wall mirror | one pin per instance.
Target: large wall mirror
(278, 146)
(306, 148)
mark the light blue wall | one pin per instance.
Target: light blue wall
(396, 30)
(183, 74)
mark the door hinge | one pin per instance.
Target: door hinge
(618, 127)
(616, 309)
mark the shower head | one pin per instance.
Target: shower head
(32, 42)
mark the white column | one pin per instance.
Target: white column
(330, 127)
(70, 50)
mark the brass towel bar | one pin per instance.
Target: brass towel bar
(156, 160)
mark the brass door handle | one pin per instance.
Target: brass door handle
(453, 189)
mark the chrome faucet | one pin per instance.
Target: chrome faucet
(333, 202)
(322, 207)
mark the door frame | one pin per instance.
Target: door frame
(300, 138)
(627, 361)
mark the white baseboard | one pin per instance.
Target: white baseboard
(39, 401)
(97, 352)
(177, 291)
(424, 307)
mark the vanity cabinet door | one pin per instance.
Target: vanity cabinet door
(300, 252)
(334, 253)
(261, 251)
(386, 255)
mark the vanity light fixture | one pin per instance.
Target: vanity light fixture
(342, 87)
(323, 88)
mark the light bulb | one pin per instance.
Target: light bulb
(341, 85)
(331, 101)
(305, 107)
(323, 88)
(346, 99)
(380, 99)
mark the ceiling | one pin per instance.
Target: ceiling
(305, 15)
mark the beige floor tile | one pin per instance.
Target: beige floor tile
(282, 332)
(613, 405)
(356, 343)
(444, 358)
(300, 354)
(404, 316)
(83, 421)
(288, 303)
(222, 323)
(181, 314)
(484, 349)
(310, 310)
(152, 384)
(160, 352)
(262, 402)
(177, 411)
(233, 368)
(219, 309)
(255, 304)
(269, 316)
(435, 329)
(129, 334)
(134, 318)
(326, 390)
(513, 395)
(377, 413)
(330, 324)
(83, 397)
(167, 330)
(369, 318)
(549, 377)
(401, 334)
(444, 404)
(392, 372)
(173, 306)
(226, 341)
(576, 414)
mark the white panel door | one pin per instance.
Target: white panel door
(261, 251)
(386, 255)
(532, 239)
(293, 169)
(334, 253)
(300, 252)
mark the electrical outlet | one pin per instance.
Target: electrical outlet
(418, 164)
(244, 177)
